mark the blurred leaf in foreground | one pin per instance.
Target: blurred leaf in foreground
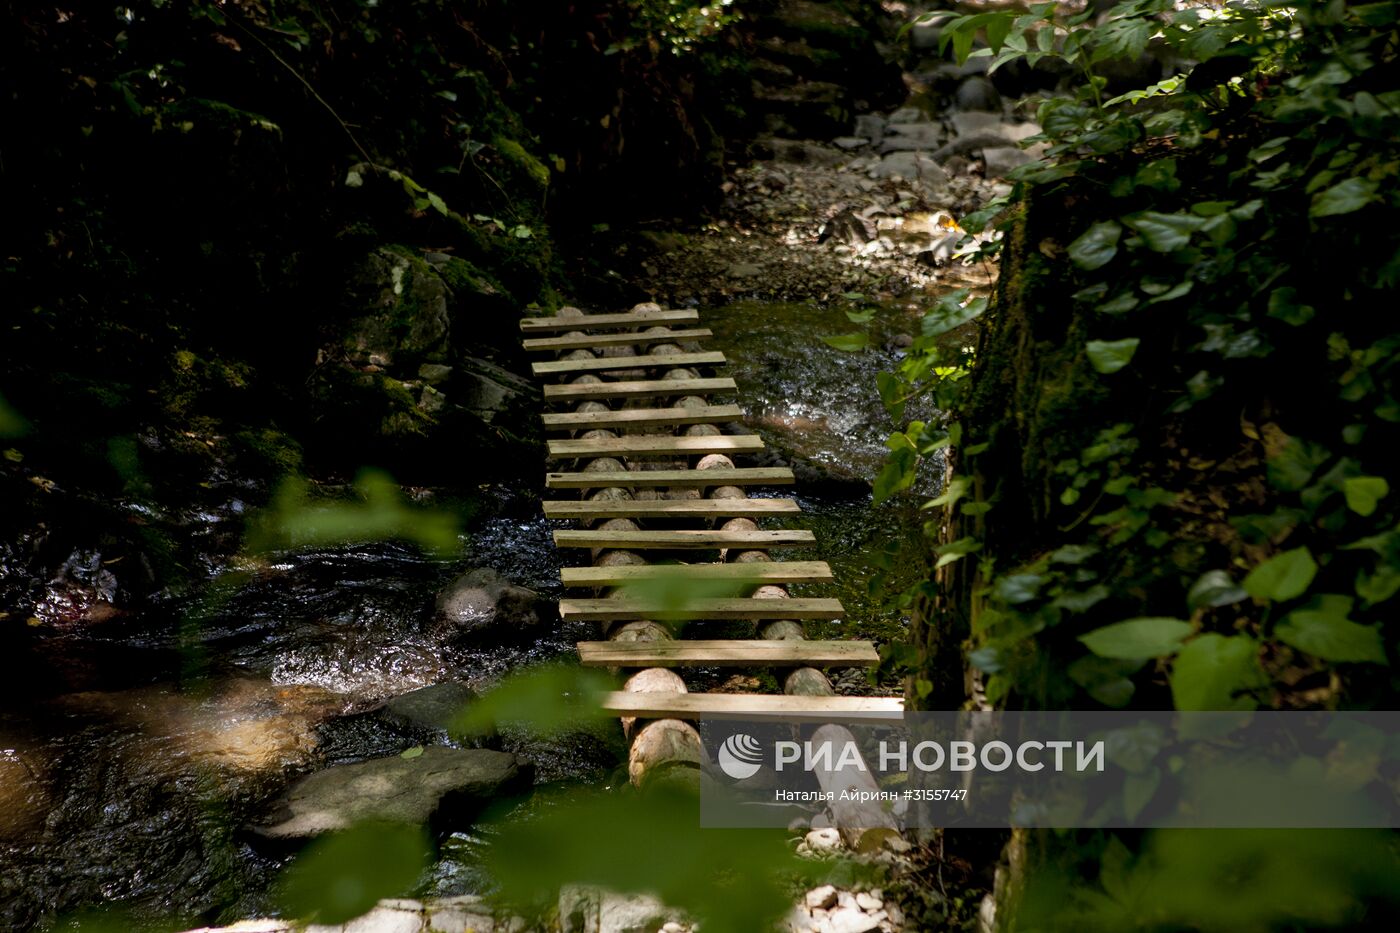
(550, 698)
(1227, 880)
(11, 424)
(676, 595)
(342, 876)
(294, 519)
(652, 842)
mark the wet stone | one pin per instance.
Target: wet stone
(430, 709)
(441, 785)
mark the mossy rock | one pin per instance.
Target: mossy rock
(525, 166)
(398, 309)
(267, 452)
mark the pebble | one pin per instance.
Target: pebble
(868, 902)
(823, 840)
(850, 142)
(822, 897)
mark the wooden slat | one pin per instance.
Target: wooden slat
(747, 652)
(640, 479)
(753, 706)
(617, 609)
(534, 325)
(669, 508)
(599, 364)
(683, 539)
(793, 571)
(654, 446)
(613, 340)
(637, 388)
(641, 417)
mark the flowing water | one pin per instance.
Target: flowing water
(133, 751)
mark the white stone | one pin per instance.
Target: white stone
(822, 897)
(823, 840)
(868, 902)
(378, 920)
(850, 920)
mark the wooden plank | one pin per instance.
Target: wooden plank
(654, 446)
(747, 652)
(642, 479)
(669, 508)
(637, 388)
(619, 609)
(599, 364)
(534, 325)
(613, 340)
(683, 539)
(753, 706)
(759, 572)
(640, 417)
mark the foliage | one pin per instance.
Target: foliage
(342, 875)
(651, 842)
(1223, 880)
(293, 519)
(1216, 473)
(1172, 477)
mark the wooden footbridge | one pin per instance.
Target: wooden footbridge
(650, 480)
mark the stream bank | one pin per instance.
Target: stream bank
(148, 732)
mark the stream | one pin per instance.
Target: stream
(133, 751)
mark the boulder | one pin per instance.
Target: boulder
(492, 393)
(870, 126)
(442, 785)
(977, 93)
(482, 598)
(977, 123)
(398, 310)
(428, 709)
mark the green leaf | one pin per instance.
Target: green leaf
(1322, 629)
(1018, 588)
(1363, 493)
(1283, 576)
(1344, 197)
(1284, 307)
(860, 317)
(891, 391)
(1138, 639)
(1109, 356)
(896, 475)
(1377, 587)
(1164, 233)
(1214, 589)
(1211, 671)
(411, 753)
(957, 550)
(1104, 679)
(848, 342)
(342, 876)
(1096, 246)
(949, 313)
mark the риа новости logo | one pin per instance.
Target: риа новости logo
(740, 755)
